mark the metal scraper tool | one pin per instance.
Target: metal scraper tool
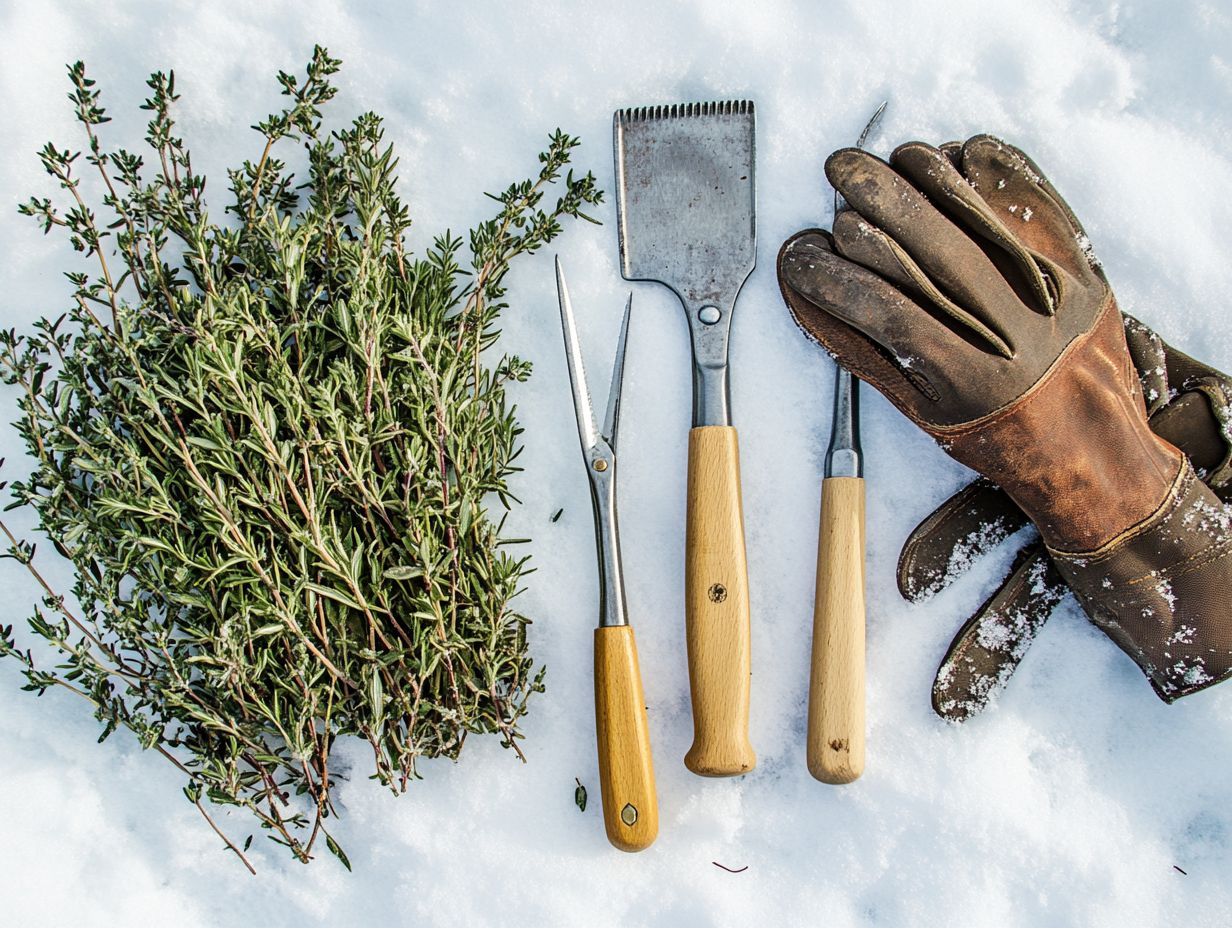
(685, 201)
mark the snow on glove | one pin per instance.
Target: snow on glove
(961, 285)
(1188, 404)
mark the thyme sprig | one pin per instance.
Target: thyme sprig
(275, 449)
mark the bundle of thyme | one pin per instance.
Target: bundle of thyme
(272, 447)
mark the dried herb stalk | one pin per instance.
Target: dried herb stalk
(273, 448)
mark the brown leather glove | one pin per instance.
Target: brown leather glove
(1188, 404)
(961, 285)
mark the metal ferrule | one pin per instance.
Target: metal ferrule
(844, 458)
(711, 385)
(607, 536)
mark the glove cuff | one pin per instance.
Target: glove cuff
(1160, 589)
(1075, 452)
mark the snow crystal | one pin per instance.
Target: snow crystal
(1008, 632)
(963, 555)
(1164, 589)
(1038, 575)
(1192, 673)
(1214, 520)
(1088, 250)
(1184, 634)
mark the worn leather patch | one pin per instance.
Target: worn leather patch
(1075, 451)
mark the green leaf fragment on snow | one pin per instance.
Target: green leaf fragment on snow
(337, 851)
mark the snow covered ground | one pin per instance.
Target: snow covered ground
(1072, 802)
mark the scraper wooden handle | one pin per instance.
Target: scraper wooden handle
(836, 687)
(717, 607)
(626, 769)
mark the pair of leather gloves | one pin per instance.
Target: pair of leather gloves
(960, 284)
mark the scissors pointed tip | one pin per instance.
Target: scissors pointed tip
(839, 202)
(611, 421)
(587, 430)
(872, 121)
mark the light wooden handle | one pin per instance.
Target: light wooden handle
(626, 770)
(836, 687)
(717, 607)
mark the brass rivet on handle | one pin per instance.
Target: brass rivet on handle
(628, 814)
(601, 465)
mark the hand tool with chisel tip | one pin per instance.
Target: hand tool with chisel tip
(836, 684)
(685, 200)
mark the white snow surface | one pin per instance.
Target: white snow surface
(1073, 801)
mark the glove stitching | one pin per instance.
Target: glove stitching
(961, 429)
(998, 234)
(1171, 501)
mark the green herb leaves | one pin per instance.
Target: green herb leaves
(272, 449)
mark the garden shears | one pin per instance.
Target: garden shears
(626, 769)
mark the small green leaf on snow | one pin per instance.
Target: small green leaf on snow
(337, 851)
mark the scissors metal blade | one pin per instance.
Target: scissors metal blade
(588, 431)
(612, 419)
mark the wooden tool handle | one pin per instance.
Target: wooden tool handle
(717, 607)
(626, 770)
(836, 687)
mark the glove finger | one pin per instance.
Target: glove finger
(935, 174)
(956, 264)
(1188, 422)
(1146, 350)
(952, 151)
(1204, 432)
(1185, 371)
(861, 241)
(1187, 403)
(954, 536)
(864, 243)
(1016, 190)
(883, 336)
(991, 644)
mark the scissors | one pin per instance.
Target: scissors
(626, 769)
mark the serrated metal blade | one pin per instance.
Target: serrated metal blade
(685, 197)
